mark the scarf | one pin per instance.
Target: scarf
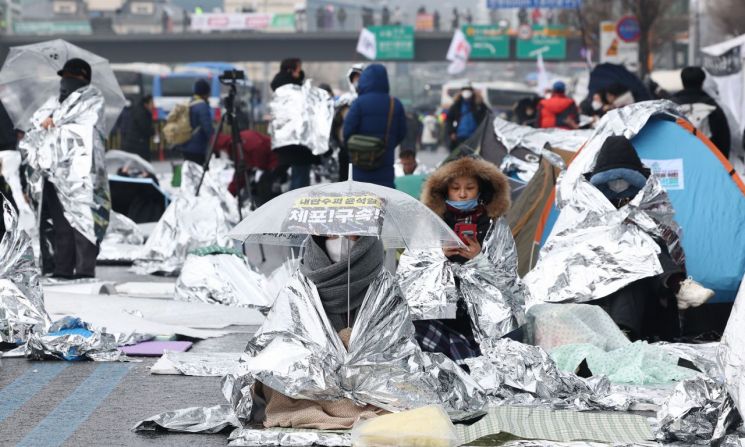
(331, 278)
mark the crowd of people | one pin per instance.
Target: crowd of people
(470, 195)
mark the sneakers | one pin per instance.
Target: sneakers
(692, 294)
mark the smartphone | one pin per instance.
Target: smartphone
(466, 231)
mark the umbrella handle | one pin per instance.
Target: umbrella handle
(349, 280)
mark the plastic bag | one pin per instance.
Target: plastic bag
(427, 426)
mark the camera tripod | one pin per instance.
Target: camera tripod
(230, 79)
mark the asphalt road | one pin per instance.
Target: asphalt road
(92, 404)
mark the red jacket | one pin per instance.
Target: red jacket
(257, 152)
(558, 111)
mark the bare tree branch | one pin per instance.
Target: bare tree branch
(728, 14)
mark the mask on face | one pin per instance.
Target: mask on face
(597, 105)
(337, 248)
(618, 185)
(69, 85)
(467, 94)
(463, 205)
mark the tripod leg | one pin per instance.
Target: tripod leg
(210, 152)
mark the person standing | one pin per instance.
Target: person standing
(436, 20)
(456, 19)
(430, 132)
(385, 16)
(341, 17)
(139, 130)
(200, 119)
(297, 157)
(64, 154)
(465, 115)
(377, 114)
(702, 110)
(559, 110)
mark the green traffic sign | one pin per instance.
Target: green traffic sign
(393, 42)
(553, 46)
(487, 42)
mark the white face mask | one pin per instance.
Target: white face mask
(467, 94)
(618, 185)
(337, 248)
(597, 105)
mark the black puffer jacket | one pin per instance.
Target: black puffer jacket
(720, 134)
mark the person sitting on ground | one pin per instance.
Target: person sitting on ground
(407, 164)
(702, 110)
(559, 110)
(647, 308)
(471, 196)
(616, 96)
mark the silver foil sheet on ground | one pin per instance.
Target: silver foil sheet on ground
(257, 438)
(595, 249)
(698, 412)
(489, 284)
(71, 339)
(21, 298)
(731, 353)
(189, 222)
(191, 420)
(301, 115)
(297, 353)
(222, 279)
(201, 364)
(123, 241)
(513, 136)
(70, 155)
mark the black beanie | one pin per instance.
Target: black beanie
(202, 88)
(618, 152)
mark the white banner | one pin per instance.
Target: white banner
(458, 53)
(230, 21)
(367, 44)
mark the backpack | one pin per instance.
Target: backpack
(178, 128)
(698, 114)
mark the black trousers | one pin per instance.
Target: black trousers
(72, 253)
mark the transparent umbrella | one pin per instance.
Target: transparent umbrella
(346, 209)
(29, 78)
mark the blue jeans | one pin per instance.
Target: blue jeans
(300, 176)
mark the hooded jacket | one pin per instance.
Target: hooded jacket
(558, 111)
(369, 116)
(494, 193)
(718, 124)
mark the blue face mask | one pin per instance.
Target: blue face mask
(463, 205)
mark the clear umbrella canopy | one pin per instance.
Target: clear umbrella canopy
(29, 78)
(346, 209)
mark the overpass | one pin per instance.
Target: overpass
(249, 47)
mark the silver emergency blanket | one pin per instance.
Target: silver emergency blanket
(259, 438)
(699, 412)
(72, 339)
(297, 353)
(513, 135)
(489, 284)
(200, 364)
(21, 298)
(123, 241)
(189, 222)
(516, 372)
(731, 354)
(301, 115)
(225, 279)
(595, 249)
(192, 420)
(70, 155)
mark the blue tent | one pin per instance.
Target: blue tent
(708, 197)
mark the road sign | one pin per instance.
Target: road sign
(615, 50)
(530, 4)
(553, 46)
(393, 42)
(628, 29)
(525, 31)
(487, 42)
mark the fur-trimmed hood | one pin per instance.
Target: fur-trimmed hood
(496, 201)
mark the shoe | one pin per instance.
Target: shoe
(692, 294)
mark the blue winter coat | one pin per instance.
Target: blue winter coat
(369, 116)
(200, 116)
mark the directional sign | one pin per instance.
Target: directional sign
(487, 42)
(393, 42)
(530, 4)
(552, 46)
